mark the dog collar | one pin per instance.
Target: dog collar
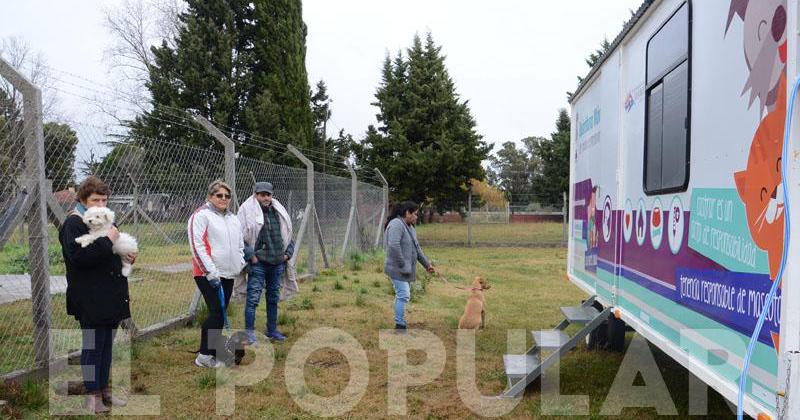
(476, 289)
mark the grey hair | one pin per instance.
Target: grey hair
(217, 184)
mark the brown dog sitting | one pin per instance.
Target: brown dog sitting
(475, 312)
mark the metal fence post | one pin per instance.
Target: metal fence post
(37, 216)
(564, 218)
(308, 224)
(135, 207)
(469, 217)
(353, 220)
(230, 156)
(383, 208)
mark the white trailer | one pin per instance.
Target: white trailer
(676, 195)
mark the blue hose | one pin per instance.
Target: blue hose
(786, 230)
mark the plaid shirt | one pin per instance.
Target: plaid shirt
(269, 245)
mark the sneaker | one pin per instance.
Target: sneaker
(110, 400)
(251, 338)
(94, 403)
(276, 336)
(208, 361)
(400, 329)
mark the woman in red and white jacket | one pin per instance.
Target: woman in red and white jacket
(215, 236)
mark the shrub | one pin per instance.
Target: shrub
(306, 303)
(286, 319)
(360, 301)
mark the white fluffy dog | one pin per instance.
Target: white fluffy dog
(99, 221)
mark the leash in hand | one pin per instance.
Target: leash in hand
(444, 279)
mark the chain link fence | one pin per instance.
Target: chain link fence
(156, 185)
(537, 224)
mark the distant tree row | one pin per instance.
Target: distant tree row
(536, 173)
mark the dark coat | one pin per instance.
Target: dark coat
(97, 292)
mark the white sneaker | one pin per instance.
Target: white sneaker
(208, 361)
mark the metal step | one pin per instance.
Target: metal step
(579, 314)
(519, 365)
(550, 339)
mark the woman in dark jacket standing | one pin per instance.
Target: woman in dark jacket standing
(97, 294)
(402, 253)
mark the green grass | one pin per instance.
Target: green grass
(23, 400)
(507, 234)
(528, 286)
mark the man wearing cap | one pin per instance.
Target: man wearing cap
(267, 231)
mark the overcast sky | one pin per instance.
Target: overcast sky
(512, 59)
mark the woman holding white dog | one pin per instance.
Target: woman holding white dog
(402, 253)
(215, 236)
(97, 293)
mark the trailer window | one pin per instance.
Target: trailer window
(666, 149)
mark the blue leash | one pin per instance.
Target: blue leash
(786, 229)
(221, 294)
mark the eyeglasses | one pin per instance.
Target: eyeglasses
(223, 196)
(264, 194)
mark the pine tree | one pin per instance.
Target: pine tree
(321, 109)
(279, 105)
(554, 156)
(240, 64)
(426, 144)
(60, 145)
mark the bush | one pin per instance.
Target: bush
(420, 287)
(286, 319)
(360, 301)
(356, 261)
(306, 303)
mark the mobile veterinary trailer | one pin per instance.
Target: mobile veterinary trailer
(677, 210)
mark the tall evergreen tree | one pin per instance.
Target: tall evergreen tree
(426, 144)
(240, 64)
(60, 145)
(553, 153)
(279, 103)
(321, 109)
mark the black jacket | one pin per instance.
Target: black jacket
(97, 292)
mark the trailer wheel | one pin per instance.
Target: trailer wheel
(598, 339)
(616, 334)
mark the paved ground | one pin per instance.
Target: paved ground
(169, 269)
(14, 287)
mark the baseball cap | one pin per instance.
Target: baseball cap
(263, 187)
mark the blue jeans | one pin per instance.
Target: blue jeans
(402, 294)
(263, 277)
(98, 341)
